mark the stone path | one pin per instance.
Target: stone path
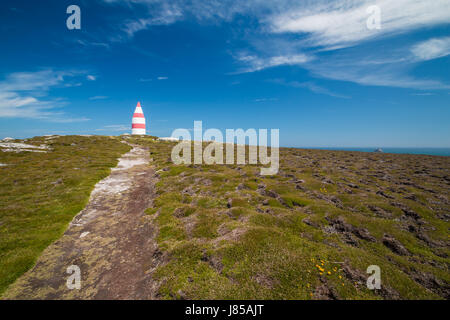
(112, 241)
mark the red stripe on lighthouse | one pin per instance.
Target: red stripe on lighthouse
(138, 121)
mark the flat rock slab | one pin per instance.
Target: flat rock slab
(112, 241)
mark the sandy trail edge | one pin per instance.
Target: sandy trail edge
(112, 241)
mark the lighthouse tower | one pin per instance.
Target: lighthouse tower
(138, 121)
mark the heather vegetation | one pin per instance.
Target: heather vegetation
(227, 232)
(309, 232)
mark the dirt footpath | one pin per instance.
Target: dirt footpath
(112, 241)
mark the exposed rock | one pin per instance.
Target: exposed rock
(310, 223)
(214, 261)
(264, 280)
(381, 193)
(268, 193)
(394, 245)
(341, 226)
(59, 181)
(412, 197)
(380, 212)
(430, 282)
(20, 147)
(325, 291)
(240, 186)
(348, 238)
(364, 234)
(410, 213)
(189, 191)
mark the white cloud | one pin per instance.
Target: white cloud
(309, 27)
(423, 94)
(159, 13)
(24, 95)
(61, 118)
(163, 78)
(91, 77)
(115, 127)
(265, 99)
(432, 49)
(255, 63)
(343, 23)
(98, 98)
(87, 43)
(310, 86)
(34, 81)
(295, 33)
(330, 23)
(374, 75)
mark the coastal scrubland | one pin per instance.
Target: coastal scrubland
(309, 232)
(227, 232)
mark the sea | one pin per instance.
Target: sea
(427, 151)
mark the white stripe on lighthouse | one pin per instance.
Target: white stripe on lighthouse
(138, 131)
(138, 121)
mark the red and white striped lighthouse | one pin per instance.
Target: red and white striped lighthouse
(138, 121)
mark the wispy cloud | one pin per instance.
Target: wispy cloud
(296, 33)
(432, 49)
(159, 13)
(312, 27)
(98, 98)
(25, 95)
(163, 78)
(114, 127)
(90, 77)
(327, 23)
(386, 75)
(86, 43)
(342, 23)
(34, 81)
(265, 99)
(255, 63)
(310, 86)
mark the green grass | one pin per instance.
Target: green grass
(225, 239)
(40, 193)
(236, 246)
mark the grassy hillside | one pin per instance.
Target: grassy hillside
(40, 193)
(225, 232)
(309, 232)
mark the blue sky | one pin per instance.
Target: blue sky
(312, 69)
